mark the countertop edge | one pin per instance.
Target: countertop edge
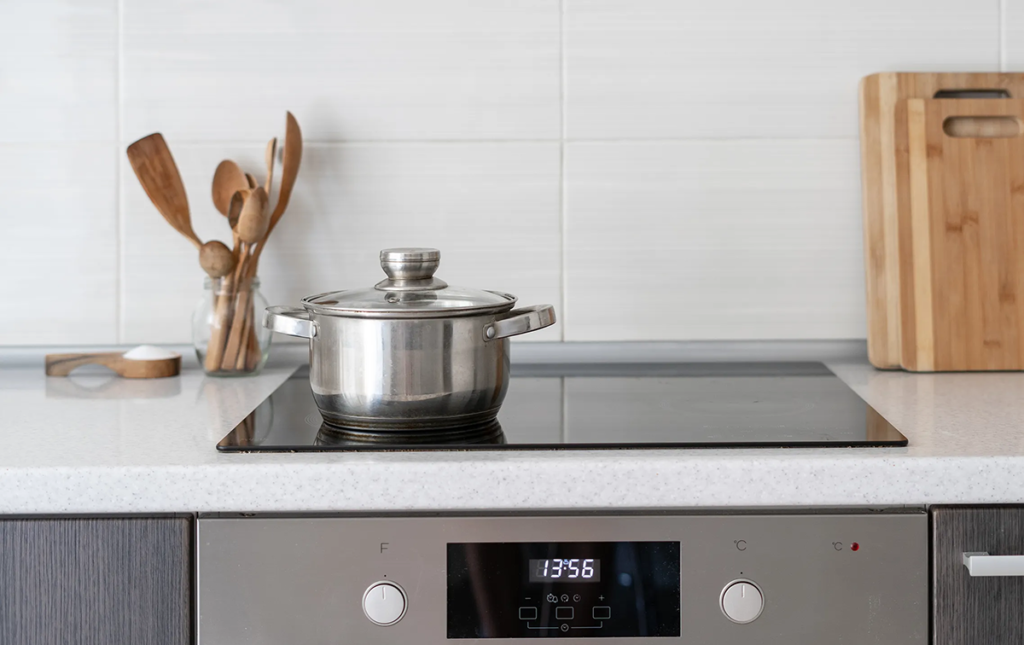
(644, 481)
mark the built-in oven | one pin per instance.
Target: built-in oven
(728, 578)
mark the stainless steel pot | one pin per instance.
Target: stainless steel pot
(410, 352)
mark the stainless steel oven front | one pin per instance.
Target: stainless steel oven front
(728, 578)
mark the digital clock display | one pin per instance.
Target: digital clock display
(565, 570)
(573, 590)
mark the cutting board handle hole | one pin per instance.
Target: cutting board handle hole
(982, 127)
(972, 94)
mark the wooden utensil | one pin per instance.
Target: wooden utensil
(251, 180)
(252, 225)
(235, 207)
(269, 156)
(237, 346)
(253, 220)
(221, 326)
(290, 162)
(223, 309)
(961, 241)
(292, 159)
(216, 259)
(154, 166)
(241, 350)
(242, 354)
(227, 179)
(63, 364)
(883, 192)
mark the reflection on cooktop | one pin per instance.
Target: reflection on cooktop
(695, 405)
(333, 437)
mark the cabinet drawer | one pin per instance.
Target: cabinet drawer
(987, 607)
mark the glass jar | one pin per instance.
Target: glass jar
(227, 328)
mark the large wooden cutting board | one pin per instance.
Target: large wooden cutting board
(961, 244)
(882, 192)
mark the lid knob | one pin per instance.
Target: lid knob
(410, 263)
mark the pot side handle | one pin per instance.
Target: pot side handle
(293, 321)
(521, 321)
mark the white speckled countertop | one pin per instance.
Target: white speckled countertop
(93, 444)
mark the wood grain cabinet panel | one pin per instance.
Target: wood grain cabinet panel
(976, 610)
(96, 581)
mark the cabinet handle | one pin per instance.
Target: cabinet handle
(981, 564)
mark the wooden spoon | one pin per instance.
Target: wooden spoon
(154, 166)
(235, 209)
(269, 159)
(216, 259)
(234, 212)
(226, 180)
(253, 221)
(251, 180)
(62, 364)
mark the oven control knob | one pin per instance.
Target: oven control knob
(742, 601)
(384, 603)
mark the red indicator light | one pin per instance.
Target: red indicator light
(855, 547)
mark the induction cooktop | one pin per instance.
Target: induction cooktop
(550, 407)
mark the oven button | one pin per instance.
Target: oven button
(742, 601)
(384, 603)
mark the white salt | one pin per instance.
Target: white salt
(149, 353)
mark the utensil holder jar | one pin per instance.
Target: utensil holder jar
(226, 328)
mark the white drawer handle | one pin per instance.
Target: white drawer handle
(981, 564)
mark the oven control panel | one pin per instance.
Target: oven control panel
(857, 578)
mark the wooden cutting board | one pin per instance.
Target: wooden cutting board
(882, 191)
(961, 241)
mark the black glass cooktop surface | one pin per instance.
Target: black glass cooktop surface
(693, 405)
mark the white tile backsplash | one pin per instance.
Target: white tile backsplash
(58, 71)
(353, 69)
(58, 253)
(492, 209)
(713, 240)
(657, 169)
(1013, 35)
(656, 69)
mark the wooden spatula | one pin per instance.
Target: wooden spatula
(269, 156)
(154, 166)
(292, 157)
(289, 168)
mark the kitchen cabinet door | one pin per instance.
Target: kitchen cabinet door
(979, 609)
(96, 581)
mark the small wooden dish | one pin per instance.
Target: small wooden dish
(63, 364)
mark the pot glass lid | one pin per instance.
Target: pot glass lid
(410, 289)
